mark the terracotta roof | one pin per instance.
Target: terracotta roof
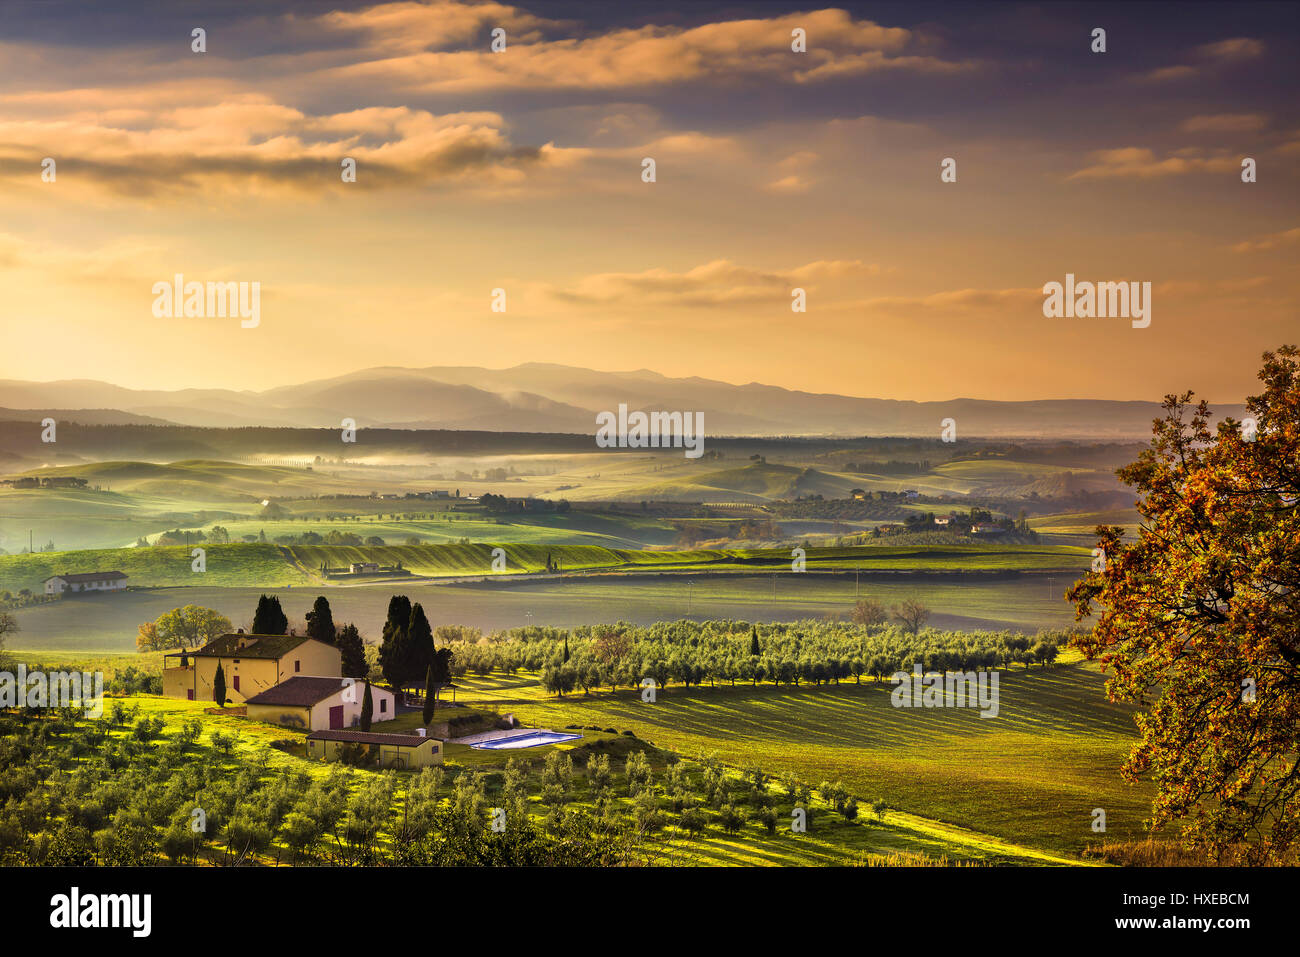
(371, 737)
(303, 691)
(260, 646)
(89, 576)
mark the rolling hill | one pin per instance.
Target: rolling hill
(542, 397)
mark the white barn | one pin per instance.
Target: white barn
(85, 581)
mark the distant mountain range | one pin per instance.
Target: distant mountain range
(542, 397)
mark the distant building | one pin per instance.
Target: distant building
(393, 750)
(85, 581)
(986, 528)
(361, 568)
(320, 703)
(250, 664)
(942, 520)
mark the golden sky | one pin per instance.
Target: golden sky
(522, 170)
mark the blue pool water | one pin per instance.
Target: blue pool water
(534, 740)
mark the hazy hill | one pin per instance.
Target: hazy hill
(541, 397)
(81, 416)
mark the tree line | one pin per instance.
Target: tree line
(727, 651)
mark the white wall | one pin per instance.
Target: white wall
(320, 712)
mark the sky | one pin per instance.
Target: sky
(522, 170)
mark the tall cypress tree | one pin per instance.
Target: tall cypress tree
(754, 650)
(320, 621)
(367, 708)
(566, 649)
(269, 619)
(393, 657)
(399, 613)
(353, 652)
(219, 686)
(419, 644)
(430, 683)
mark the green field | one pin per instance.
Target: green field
(108, 622)
(264, 564)
(831, 841)
(1031, 776)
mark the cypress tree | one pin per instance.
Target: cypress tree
(269, 619)
(393, 657)
(219, 686)
(442, 666)
(353, 652)
(430, 682)
(320, 621)
(419, 645)
(367, 708)
(754, 650)
(566, 649)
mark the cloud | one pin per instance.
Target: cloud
(1133, 162)
(1224, 123)
(1274, 241)
(1219, 53)
(792, 175)
(725, 52)
(953, 301)
(247, 141)
(1232, 49)
(717, 283)
(1218, 288)
(412, 28)
(1165, 74)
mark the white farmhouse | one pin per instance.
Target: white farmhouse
(85, 581)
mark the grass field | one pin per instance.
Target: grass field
(108, 622)
(264, 564)
(1030, 777)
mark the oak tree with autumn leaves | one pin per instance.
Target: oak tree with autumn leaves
(1199, 619)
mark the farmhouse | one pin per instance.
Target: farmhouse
(986, 528)
(358, 568)
(393, 750)
(317, 704)
(942, 520)
(85, 581)
(251, 664)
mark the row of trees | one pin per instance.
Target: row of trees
(814, 652)
(122, 790)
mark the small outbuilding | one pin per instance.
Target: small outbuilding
(317, 704)
(391, 750)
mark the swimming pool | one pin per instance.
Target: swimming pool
(533, 739)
